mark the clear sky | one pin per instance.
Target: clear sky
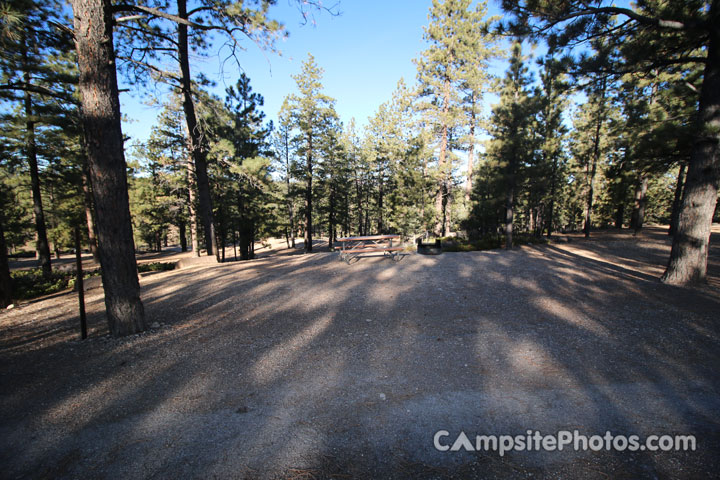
(364, 51)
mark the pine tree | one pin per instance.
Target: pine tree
(655, 35)
(36, 73)
(451, 66)
(552, 133)
(513, 142)
(100, 109)
(312, 113)
(285, 166)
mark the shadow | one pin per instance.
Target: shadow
(298, 366)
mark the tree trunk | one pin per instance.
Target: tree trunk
(638, 214)
(619, 215)
(594, 161)
(509, 206)
(5, 278)
(195, 135)
(551, 204)
(235, 244)
(43, 247)
(331, 218)
(358, 191)
(182, 233)
(194, 234)
(100, 110)
(381, 195)
(471, 152)
(441, 192)
(688, 258)
(676, 200)
(89, 220)
(252, 239)
(308, 197)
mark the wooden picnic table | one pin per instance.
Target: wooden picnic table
(353, 247)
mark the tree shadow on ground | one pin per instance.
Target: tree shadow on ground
(305, 366)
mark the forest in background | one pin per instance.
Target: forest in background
(618, 133)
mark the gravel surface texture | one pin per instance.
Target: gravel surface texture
(301, 366)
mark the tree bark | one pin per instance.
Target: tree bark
(43, 247)
(689, 254)
(100, 110)
(676, 200)
(195, 135)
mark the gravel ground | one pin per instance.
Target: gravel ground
(304, 367)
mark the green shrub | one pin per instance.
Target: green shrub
(28, 284)
(156, 267)
(489, 242)
(31, 283)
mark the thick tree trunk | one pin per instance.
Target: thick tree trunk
(197, 147)
(638, 214)
(308, 197)
(89, 220)
(43, 247)
(100, 109)
(676, 200)
(688, 258)
(5, 279)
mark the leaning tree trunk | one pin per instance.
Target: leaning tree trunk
(100, 110)
(5, 279)
(688, 258)
(43, 247)
(197, 147)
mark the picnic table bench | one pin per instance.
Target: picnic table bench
(353, 247)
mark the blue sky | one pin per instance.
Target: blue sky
(364, 52)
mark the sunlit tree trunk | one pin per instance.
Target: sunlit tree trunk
(100, 110)
(688, 258)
